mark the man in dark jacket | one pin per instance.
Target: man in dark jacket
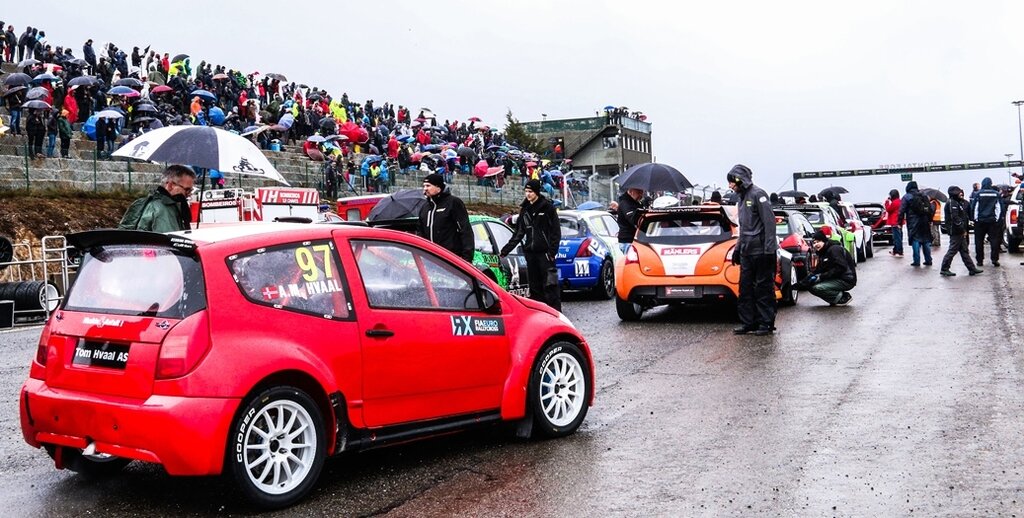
(987, 213)
(755, 253)
(538, 224)
(917, 212)
(631, 203)
(12, 43)
(958, 215)
(23, 43)
(835, 274)
(90, 54)
(444, 219)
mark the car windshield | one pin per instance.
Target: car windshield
(683, 228)
(570, 227)
(816, 218)
(138, 280)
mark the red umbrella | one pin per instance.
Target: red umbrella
(474, 119)
(161, 89)
(485, 128)
(480, 169)
(416, 157)
(492, 171)
(363, 136)
(350, 130)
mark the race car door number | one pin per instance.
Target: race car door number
(101, 354)
(681, 291)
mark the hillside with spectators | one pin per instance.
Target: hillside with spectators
(112, 96)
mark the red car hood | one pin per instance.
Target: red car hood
(540, 306)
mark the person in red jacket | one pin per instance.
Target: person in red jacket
(892, 218)
(71, 104)
(393, 147)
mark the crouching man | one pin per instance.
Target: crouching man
(835, 274)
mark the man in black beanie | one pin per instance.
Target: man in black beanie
(755, 254)
(538, 225)
(836, 273)
(444, 219)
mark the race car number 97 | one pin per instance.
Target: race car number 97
(306, 260)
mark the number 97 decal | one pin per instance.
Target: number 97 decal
(306, 260)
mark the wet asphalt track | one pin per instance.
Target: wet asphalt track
(908, 402)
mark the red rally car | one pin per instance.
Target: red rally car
(258, 349)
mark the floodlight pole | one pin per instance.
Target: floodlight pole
(1020, 133)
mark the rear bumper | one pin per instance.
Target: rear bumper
(185, 435)
(658, 295)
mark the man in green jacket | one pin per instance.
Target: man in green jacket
(166, 208)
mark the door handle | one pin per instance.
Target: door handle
(379, 333)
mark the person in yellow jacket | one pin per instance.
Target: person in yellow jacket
(936, 223)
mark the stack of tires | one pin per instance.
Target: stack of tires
(30, 296)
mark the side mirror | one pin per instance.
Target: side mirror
(489, 301)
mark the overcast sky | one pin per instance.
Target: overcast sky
(779, 86)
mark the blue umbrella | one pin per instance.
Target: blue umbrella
(431, 147)
(405, 138)
(216, 116)
(205, 94)
(286, 121)
(89, 128)
(609, 107)
(44, 77)
(120, 90)
(589, 205)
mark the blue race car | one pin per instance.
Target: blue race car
(587, 251)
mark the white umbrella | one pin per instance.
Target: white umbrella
(109, 114)
(201, 146)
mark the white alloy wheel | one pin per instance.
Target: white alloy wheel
(280, 447)
(562, 389)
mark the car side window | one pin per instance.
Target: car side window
(482, 239)
(502, 235)
(397, 276)
(304, 277)
(612, 226)
(597, 226)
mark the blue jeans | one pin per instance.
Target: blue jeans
(16, 121)
(897, 239)
(917, 246)
(624, 246)
(51, 142)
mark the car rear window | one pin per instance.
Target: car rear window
(140, 281)
(684, 228)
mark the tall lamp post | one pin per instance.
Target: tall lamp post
(1020, 133)
(1009, 176)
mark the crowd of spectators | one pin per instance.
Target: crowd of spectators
(116, 96)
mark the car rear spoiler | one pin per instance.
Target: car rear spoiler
(92, 239)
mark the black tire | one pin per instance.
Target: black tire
(627, 310)
(89, 466)
(605, 287)
(6, 252)
(560, 380)
(244, 446)
(860, 254)
(1012, 243)
(789, 293)
(869, 249)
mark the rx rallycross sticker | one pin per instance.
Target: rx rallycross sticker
(464, 325)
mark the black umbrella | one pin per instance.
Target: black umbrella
(13, 90)
(405, 203)
(129, 81)
(935, 194)
(37, 105)
(793, 194)
(146, 108)
(17, 79)
(835, 189)
(78, 62)
(468, 153)
(36, 93)
(279, 77)
(82, 81)
(179, 57)
(654, 177)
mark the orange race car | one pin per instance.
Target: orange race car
(683, 255)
